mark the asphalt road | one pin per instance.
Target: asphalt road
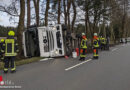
(110, 72)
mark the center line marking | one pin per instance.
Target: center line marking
(114, 49)
(77, 65)
(46, 59)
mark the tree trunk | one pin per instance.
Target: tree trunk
(59, 11)
(46, 12)
(112, 37)
(65, 12)
(75, 13)
(21, 26)
(36, 5)
(28, 13)
(68, 12)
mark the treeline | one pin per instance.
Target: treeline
(108, 18)
(4, 31)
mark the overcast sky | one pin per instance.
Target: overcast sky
(4, 18)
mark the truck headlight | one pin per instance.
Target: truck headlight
(54, 28)
(56, 52)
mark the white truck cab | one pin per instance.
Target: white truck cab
(43, 41)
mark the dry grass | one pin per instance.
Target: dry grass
(22, 62)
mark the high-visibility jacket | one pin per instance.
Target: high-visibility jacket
(2, 48)
(83, 43)
(95, 43)
(11, 47)
(103, 40)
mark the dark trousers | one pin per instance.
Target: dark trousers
(83, 53)
(103, 46)
(107, 46)
(9, 60)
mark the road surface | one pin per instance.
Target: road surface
(110, 72)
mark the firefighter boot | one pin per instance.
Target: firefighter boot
(80, 58)
(83, 59)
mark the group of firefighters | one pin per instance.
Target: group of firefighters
(98, 43)
(8, 51)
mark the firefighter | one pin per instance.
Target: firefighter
(83, 47)
(95, 46)
(2, 49)
(11, 50)
(103, 43)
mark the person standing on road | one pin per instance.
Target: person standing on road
(103, 43)
(95, 46)
(2, 41)
(11, 50)
(83, 47)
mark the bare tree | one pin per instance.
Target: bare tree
(65, 12)
(46, 12)
(75, 13)
(28, 13)
(36, 5)
(59, 11)
(68, 13)
(21, 25)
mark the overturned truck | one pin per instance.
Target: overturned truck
(43, 41)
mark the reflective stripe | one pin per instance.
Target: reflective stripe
(84, 45)
(12, 42)
(2, 51)
(8, 54)
(5, 69)
(95, 43)
(95, 55)
(82, 55)
(12, 69)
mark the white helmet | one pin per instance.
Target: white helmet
(95, 34)
(83, 34)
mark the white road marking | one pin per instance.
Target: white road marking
(46, 59)
(77, 65)
(114, 49)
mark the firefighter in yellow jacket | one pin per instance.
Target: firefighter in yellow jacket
(11, 50)
(83, 47)
(2, 41)
(103, 43)
(95, 46)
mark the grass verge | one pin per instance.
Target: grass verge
(23, 61)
